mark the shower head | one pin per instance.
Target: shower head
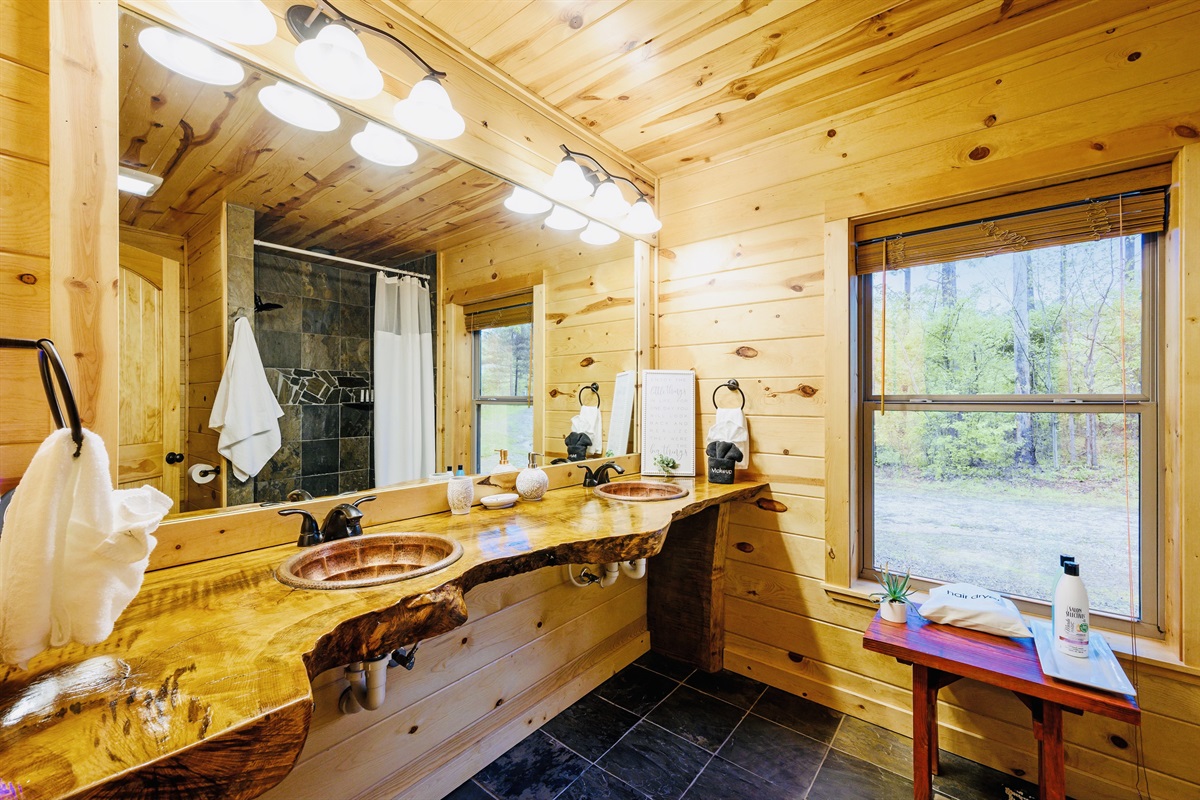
(259, 305)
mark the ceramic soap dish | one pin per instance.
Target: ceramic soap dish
(1100, 669)
(505, 500)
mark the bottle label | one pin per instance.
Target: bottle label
(1073, 635)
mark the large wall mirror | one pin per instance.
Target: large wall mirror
(517, 325)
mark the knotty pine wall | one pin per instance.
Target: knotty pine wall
(25, 232)
(58, 260)
(741, 293)
(204, 360)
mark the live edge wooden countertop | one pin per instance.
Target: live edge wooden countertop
(204, 688)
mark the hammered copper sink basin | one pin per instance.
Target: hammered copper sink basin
(640, 491)
(369, 560)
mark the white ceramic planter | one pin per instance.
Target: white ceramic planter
(894, 612)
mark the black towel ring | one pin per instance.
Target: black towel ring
(595, 387)
(51, 367)
(731, 385)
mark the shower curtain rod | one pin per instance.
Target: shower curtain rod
(311, 254)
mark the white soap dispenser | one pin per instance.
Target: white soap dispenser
(503, 475)
(1071, 621)
(533, 481)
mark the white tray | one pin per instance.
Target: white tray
(1100, 669)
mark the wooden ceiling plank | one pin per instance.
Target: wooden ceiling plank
(755, 123)
(539, 27)
(193, 145)
(473, 20)
(627, 33)
(800, 47)
(364, 203)
(418, 214)
(578, 94)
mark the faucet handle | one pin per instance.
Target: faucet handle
(589, 477)
(310, 533)
(358, 503)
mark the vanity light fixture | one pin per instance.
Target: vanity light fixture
(336, 61)
(523, 201)
(236, 21)
(190, 58)
(298, 107)
(427, 111)
(564, 219)
(599, 233)
(575, 181)
(383, 146)
(143, 184)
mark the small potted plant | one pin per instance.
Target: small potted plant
(893, 600)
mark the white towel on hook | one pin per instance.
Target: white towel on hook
(730, 426)
(73, 552)
(588, 421)
(245, 412)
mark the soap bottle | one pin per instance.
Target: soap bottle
(503, 475)
(1062, 562)
(533, 481)
(1071, 623)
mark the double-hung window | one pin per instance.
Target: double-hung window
(502, 367)
(1007, 396)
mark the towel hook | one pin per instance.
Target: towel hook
(240, 312)
(51, 367)
(731, 385)
(595, 387)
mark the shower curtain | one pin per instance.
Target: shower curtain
(404, 423)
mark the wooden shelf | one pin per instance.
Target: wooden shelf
(203, 690)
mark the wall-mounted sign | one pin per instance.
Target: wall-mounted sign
(668, 422)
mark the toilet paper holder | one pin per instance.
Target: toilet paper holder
(204, 473)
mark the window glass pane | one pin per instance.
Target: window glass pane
(1045, 321)
(993, 498)
(504, 356)
(504, 426)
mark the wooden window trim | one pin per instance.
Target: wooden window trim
(1179, 652)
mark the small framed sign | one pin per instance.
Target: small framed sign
(669, 422)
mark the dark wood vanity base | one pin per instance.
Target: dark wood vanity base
(685, 607)
(204, 688)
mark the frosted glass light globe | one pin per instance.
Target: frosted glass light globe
(598, 233)
(564, 219)
(641, 219)
(428, 113)
(567, 182)
(298, 107)
(523, 201)
(190, 58)
(336, 61)
(384, 146)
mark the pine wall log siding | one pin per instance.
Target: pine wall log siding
(25, 237)
(741, 292)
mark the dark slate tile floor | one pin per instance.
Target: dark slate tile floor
(661, 730)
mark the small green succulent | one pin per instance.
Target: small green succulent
(896, 588)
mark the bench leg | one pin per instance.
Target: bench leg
(924, 732)
(1048, 728)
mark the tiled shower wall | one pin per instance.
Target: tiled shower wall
(317, 352)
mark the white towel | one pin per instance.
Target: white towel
(73, 552)
(730, 426)
(245, 411)
(588, 421)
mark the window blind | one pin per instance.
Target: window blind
(500, 312)
(1063, 214)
